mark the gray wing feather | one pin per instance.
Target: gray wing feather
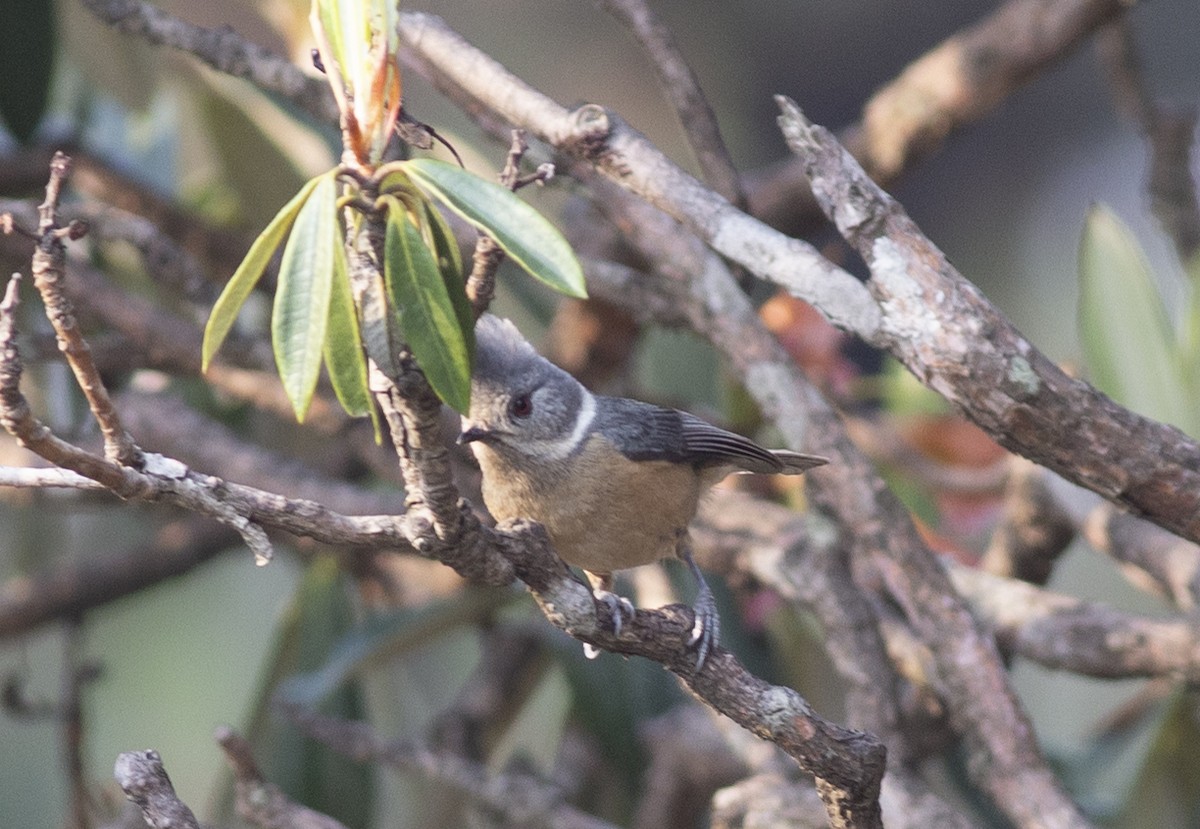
(642, 431)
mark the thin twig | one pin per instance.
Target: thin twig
(49, 272)
(481, 283)
(683, 90)
(24, 477)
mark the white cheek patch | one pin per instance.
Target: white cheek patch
(564, 446)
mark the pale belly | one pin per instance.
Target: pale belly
(633, 514)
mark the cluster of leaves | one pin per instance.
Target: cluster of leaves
(316, 318)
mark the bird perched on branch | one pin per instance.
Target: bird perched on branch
(614, 481)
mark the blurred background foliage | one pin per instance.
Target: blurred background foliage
(1007, 199)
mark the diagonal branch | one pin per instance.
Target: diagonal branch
(958, 82)
(947, 333)
(222, 49)
(683, 90)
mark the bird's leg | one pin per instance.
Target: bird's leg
(619, 608)
(707, 628)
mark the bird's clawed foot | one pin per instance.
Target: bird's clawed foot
(620, 609)
(706, 630)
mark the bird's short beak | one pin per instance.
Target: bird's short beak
(473, 433)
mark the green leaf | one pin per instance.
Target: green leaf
(319, 615)
(225, 311)
(343, 343)
(427, 316)
(301, 313)
(523, 233)
(442, 242)
(1127, 337)
(1189, 329)
(330, 15)
(384, 637)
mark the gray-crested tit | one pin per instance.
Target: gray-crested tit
(614, 481)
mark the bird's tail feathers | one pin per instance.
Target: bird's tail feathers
(796, 462)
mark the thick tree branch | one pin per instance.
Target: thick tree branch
(947, 333)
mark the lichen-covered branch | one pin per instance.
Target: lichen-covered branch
(947, 333)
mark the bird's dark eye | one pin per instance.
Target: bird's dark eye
(521, 406)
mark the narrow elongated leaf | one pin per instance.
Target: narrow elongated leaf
(343, 344)
(427, 316)
(225, 311)
(442, 242)
(1126, 335)
(301, 312)
(27, 45)
(523, 233)
(1189, 329)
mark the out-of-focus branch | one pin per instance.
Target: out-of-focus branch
(1044, 512)
(1169, 133)
(263, 803)
(960, 81)
(222, 49)
(519, 799)
(683, 90)
(143, 778)
(1065, 633)
(1149, 556)
(78, 586)
(688, 761)
(1033, 530)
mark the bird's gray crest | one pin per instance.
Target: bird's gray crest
(500, 350)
